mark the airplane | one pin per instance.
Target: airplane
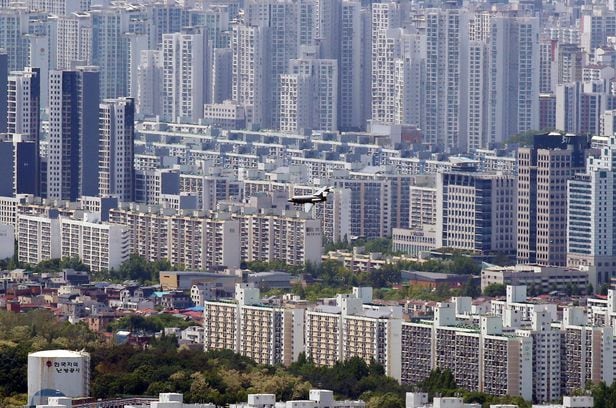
(312, 199)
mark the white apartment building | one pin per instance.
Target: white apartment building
(185, 77)
(309, 93)
(279, 18)
(590, 220)
(148, 100)
(225, 115)
(513, 105)
(190, 238)
(588, 351)
(8, 209)
(116, 171)
(250, 77)
(354, 328)
(351, 73)
(23, 103)
(385, 16)
(482, 358)
(292, 237)
(266, 334)
(446, 41)
(38, 238)
(99, 246)
(16, 20)
(73, 40)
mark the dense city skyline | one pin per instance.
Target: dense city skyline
(422, 191)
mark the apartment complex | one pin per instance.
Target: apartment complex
(481, 358)
(590, 218)
(267, 334)
(188, 238)
(100, 246)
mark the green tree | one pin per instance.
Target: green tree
(439, 381)
(495, 289)
(471, 289)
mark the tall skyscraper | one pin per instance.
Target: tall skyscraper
(543, 171)
(24, 112)
(350, 69)
(250, 66)
(385, 16)
(19, 165)
(73, 41)
(514, 77)
(72, 157)
(280, 19)
(4, 73)
(14, 23)
(446, 42)
(109, 52)
(309, 93)
(116, 140)
(112, 28)
(222, 75)
(148, 102)
(185, 75)
(590, 217)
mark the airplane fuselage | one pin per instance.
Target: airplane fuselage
(306, 199)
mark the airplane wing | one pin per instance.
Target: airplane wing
(308, 207)
(320, 191)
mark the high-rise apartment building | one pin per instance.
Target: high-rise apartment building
(14, 21)
(73, 39)
(279, 17)
(23, 106)
(513, 105)
(100, 246)
(354, 328)
(385, 49)
(543, 171)
(72, 153)
(587, 351)
(309, 94)
(580, 105)
(112, 30)
(109, 51)
(183, 237)
(185, 75)
(446, 41)
(148, 101)
(222, 75)
(4, 74)
(19, 161)
(350, 68)
(23, 95)
(266, 334)
(38, 238)
(480, 358)
(116, 172)
(250, 72)
(590, 218)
